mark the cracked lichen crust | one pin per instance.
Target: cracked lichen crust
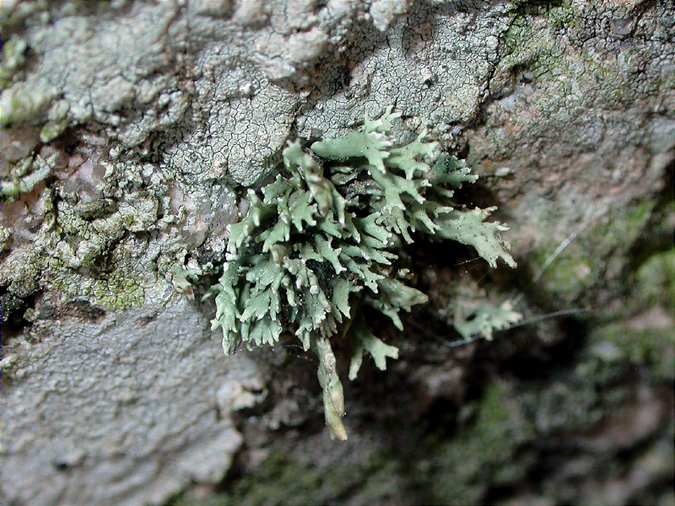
(433, 63)
(216, 78)
(326, 235)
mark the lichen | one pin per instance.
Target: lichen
(13, 56)
(11, 189)
(484, 319)
(53, 129)
(326, 237)
(5, 235)
(563, 17)
(119, 291)
(24, 104)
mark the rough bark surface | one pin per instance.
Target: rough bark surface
(128, 130)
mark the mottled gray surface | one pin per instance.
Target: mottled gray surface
(154, 114)
(123, 410)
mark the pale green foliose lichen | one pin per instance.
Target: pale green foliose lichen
(485, 319)
(324, 238)
(13, 56)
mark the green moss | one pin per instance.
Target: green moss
(281, 481)
(479, 456)
(563, 17)
(534, 7)
(592, 257)
(655, 281)
(650, 348)
(277, 482)
(571, 274)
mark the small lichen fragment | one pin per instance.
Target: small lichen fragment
(13, 57)
(24, 104)
(13, 188)
(5, 235)
(485, 319)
